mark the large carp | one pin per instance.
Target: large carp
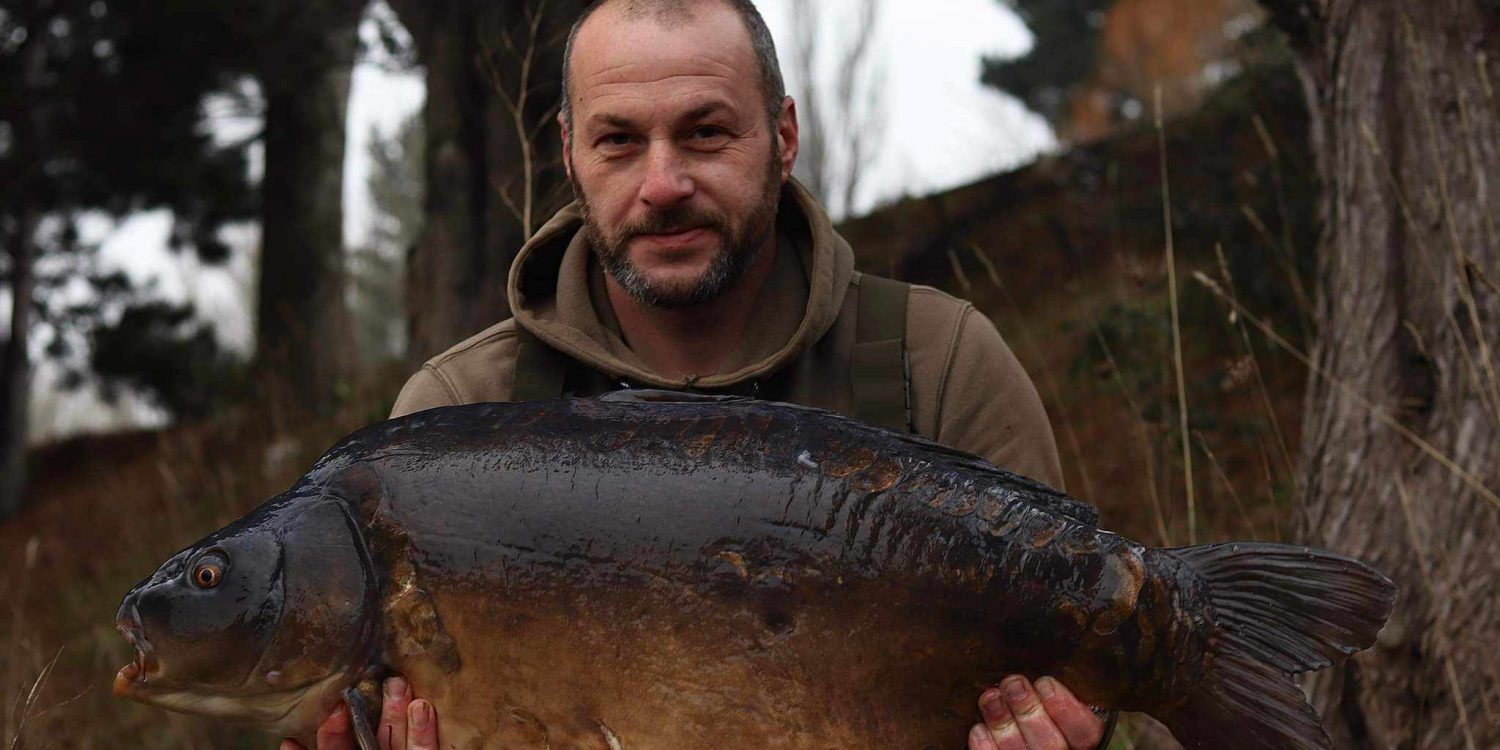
(654, 571)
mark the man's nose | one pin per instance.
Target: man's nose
(667, 180)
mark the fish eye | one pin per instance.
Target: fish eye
(209, 572)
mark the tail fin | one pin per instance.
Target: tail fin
(1280, 610)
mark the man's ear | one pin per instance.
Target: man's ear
(787, 137)
(567, 144)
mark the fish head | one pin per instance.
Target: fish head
(261, 623)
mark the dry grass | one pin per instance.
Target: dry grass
(105, 512)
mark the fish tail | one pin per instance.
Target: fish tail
(1278, 610)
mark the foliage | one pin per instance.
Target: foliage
(121, 107)
(158, 349)
(1063, 55)
(101, 112)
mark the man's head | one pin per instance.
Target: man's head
(677, 137)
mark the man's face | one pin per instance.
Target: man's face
(672, 154)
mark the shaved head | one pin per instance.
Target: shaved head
(672, 14)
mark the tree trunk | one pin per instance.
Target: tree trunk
(1406, 129)
(487, 151)
(15, 377)
(15, 370)
(304, 334)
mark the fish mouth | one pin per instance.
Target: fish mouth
(132, 679)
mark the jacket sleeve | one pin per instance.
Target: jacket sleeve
(990, 407)
(426, 389)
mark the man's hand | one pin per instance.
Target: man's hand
(405, 724)
(1018, 716)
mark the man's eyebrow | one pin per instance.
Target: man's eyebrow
(697, 113)
(614, 121)
(705, 110)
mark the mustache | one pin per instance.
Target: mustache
(672, 221)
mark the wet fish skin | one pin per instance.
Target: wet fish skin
(555, 571)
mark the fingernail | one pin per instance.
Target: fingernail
(979, 736)
(338, 708)
(421, 714)
(1047, 687)
(1015, 689)
(990, 704)
(395, 687)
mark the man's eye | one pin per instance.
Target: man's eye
(708, 132)
(615, 140)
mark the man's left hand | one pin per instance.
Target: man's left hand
(405, 724)
(1047, 716)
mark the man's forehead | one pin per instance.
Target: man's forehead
(615, 48)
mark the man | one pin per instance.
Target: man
(691, 260)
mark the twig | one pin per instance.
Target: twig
(1374, 409)
(1213, 462)
(35, 692)
(1145, 439)
(1062, 405)
(1182, 405)
(516, 105)
(959, 275)
(1260, 380)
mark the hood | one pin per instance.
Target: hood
(550, 295)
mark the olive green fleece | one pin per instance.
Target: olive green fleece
(968, 389)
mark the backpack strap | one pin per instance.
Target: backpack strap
(541, 372)
(879, 370)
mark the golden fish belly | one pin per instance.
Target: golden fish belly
(665, 667)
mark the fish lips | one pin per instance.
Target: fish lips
(132, 679)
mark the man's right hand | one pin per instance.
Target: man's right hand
(405, 724)
(1044, 716)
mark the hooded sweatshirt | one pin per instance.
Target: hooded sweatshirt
(967, 388)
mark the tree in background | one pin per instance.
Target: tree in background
(378, 268)
(71, 143)
(305, 62)
(1094, 64)
(841, 127)
(1401, 447)
(493, 155)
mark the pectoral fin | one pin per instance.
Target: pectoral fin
(364, 715)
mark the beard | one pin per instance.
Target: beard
(739, 246)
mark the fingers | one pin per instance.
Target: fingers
(336, 732)
(980, 739)
(392, 730)
(1079, 726)
(1015, 719)
(405, 724)
(422, 720)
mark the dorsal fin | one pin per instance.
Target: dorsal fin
(664, 396)
(1047, 497)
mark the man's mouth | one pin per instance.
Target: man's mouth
(675, 239)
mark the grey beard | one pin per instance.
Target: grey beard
(727, 268)
(739, 253)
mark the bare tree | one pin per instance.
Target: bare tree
(15, 368)
(493, 156)
(522, 47)
(842, 127)
(1401, 439)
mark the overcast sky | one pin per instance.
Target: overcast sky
(941, 129)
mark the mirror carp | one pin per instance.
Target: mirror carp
(654, 570)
